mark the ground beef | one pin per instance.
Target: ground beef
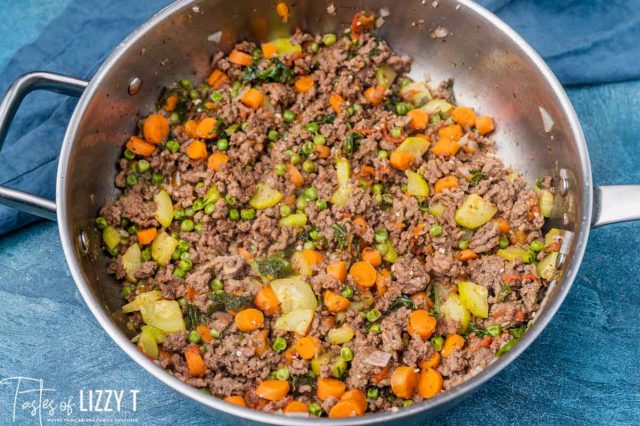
(485, 238)
(410, 274)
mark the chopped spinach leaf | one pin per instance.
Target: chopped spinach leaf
(340, 235)
(518, 331)
(230, 302)
(193, 316)
(352, 142)
(275, 266)
(402, 301)
(477, 176)
(504, 292)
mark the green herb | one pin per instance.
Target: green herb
(276, 72)
(477, 176)
(327, 119)
(504, 292)
(229, 302)
(340, 235)
(402, 301)
(480, 332)
(193, 316)
(518, 331)
(275, 266)
(352, 142)
(507, 346)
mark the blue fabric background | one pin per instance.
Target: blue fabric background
(582, 370)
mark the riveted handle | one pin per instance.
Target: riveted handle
(616, 203)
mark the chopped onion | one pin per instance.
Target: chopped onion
(215, 37)
(384, 12)
(378, 358)
(440, 32)
(547, 121)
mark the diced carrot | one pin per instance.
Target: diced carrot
(288, 354)
(421, 299)
(401, 160)
(360, 225)
(447, 182)
(307, 347)
(382, 282)
(328, 387)
(195, 363)
(252, 98)
(430, 383)
(445, 147)
(464, 116)
(296, 407)
(404, 380)
(371, 255)
(338, 270)
(266, 300)
(345, 408)
(432, 362)
(363, 274)
(358, 396)
(312, 257)
(217, 160)
(139, 147)
(336, 102)
(375, 94)
(360, 22)
(205, 334)
(453, 132)
(453, 341)
(503, 225)
(240, 58)
(323, 151)
(273, 390)
(518, 236)
(146, 236)
(259, 341)
(421, 323)
(419, 119)
(520, 315)
(366, 171)
(295, 176)
(197, 150)
(217, 78)
(334, 302)
(170, 103)
(191, 292)
(304, 84)
(206, 128)
(466, 255)
(283, 11)
(190, 128)
(236, 400)
(155, 128)
(246, 254)
(484, 124)
(269, 50)
(249, 319)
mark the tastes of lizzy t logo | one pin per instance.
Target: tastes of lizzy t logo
(30, 399)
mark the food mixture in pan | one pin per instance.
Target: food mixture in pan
(311, 231)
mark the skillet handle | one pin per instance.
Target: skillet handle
(616, 203)
(20, 88)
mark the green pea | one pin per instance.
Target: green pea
(176, 254)
(503, 242)
(315, 409)
(373, 392)
(185, 265)
(173, 146)
(183, 245)
(311, 193)
(126, 290)
(288, 116)
(133, 229)
(309, 245)
(437, 342)
(193, 94)
(396, 132)
(373, 315)
(157, 179)
(295, 159)
(222, 144)
(383, 155)
(375, 328)
(244, 127)
(216, 285)
(179, 273)
(198, 204)
(145, 255)
(347, 292)
(312, 127)
(101, 222)
(329, 39)
(338, 368)
(319, 140)
(234, 214)
(403, 187)
(281, 169)
(381, 235)
(186, 84)
(230, 199)
(301, 203)
(209, 209)
(307, 148)
(289, 153)
(537, 245)
(185, 256)
(309, 166)
(189, 212)
(377, 198)
(377, 188)
(113, 251)
(234, 92)
(351, 110)
(132, 180)
(143, 166)
(282, 373)
(216, 96)
(247, 214)
(402, 108)
(321, 204)
(198, 228)
(346, 353)
(285, 210)
(435, 118)
(187, 225)
(215, 333)
(494, 330)
(129, 155)
(382, 248)
(231, 129)
(279, 344)
(463, 244)
(315, 47)
(435, 230)
(407, 403)
(314, 235)
(194, 337)
(124, 222)
(174, 118)
(273, 135)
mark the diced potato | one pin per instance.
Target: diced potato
(437, 209)
(293, 293)
(284, 47)
(552, 236)
(300, 265)
(343, 171)
(474, 212)
(319, 361)
(341, 196)
(164, 208)
(416, 185)
(385, 75)
(163, 247)
(131, 261)
(296, 219)
(437, 106)
(417, 93)
(415, 146)
(391, 255)
(475, 298)
(298, 321)
(454, 310)
(147, 343)
(338, 336)
(546, 268)
(546, 202)
(265, 197)
(514, 252)
(164, 315)
(511, 177)
(141, 300)
(157, 334)
(111, 237)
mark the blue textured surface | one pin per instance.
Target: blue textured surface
(582, 370)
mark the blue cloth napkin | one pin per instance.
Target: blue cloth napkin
(584, 42)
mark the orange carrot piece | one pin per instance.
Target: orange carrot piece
(205, 334)
(217, 78)
(139, 147)
(419, 119)
(197, 150)
(323, 151)
(404, 380)
(240, 58)
(453, 132)
(252, 98)
(421, 323)
(155, 128)
(190, 128)
(345, 408)
(371, 255)
(236, 400)
(191, 293)
(358, 396)
(380, 375)
(336, 102)
(249, 319)
(401, 160)
(269, 50)
(503, 225)
(312, 257)
(466, 255)
(295, 176)
(170, 103)
(430, 383)
(334, 302)
(432, 362)
(273, 390)
(283, 11)
(296, 407)
(246, 254)
(206, 128)
(338, 270)
(453, 341)
(260, 343)
(306, 347)
(363, 274)
(382, 282)
(375, 94)
(266, 300)
(217, 160)
(146, 236)
(195, 363)
(328, 387)
(464, 116)
(304, 84)
(445, 147)
(447, 182)
(484, 124)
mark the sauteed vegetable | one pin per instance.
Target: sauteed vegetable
(310, 231)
